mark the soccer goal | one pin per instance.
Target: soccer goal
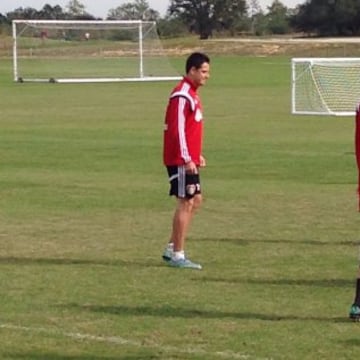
(325, 86)
(67, 51)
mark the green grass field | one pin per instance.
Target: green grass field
(85, 216)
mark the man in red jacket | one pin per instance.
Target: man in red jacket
(182, 154)
(355, 307)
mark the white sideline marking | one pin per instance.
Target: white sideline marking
(122, 341)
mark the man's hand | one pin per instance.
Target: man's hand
(202, 161)
(191, 168)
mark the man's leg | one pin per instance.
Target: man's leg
(181, 221)
(180, 224)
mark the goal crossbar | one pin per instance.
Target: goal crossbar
(100, 80)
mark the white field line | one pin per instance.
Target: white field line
(117, 340)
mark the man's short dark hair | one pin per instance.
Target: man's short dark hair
(196, 60)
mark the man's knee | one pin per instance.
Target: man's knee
(190, 205)
(197, 200)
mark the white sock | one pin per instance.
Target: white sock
(178, 255)
(170, 246)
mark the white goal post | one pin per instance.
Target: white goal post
(325, 86)
(70, 51)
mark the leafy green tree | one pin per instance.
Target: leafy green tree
(254, 7)
(4, 24)
(257, 18)
(171, 28)
(197, 15)
(52, 12)
(137, 10)
(205, 16)
(75, 8)
(27, 13)
(259, 24)
(232, 15)
(328, 17)
(277, 18)
(75, 11)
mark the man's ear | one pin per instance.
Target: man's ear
(192, 70)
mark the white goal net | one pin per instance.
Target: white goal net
(325, 86)
(89, 51)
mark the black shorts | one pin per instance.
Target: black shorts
(183, 185)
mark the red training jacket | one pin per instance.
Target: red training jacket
(183, 128)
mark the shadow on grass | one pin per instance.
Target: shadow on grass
(326, 283)
(52, 356)
(352, 342)
(68, 261)
(244, 242)
(167, 311)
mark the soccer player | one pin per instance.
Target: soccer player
(182, 154)
(355, 307)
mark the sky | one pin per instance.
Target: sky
(99, 8)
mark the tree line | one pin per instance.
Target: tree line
(217, 17)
